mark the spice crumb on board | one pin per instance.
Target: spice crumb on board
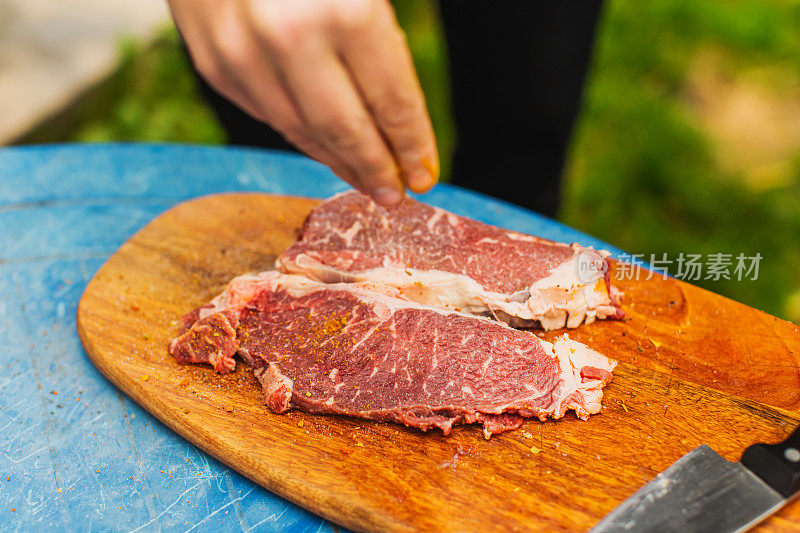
(145, 377)
(656, 343)
(535, 450)
(301, 424)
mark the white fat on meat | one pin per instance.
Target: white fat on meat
(562, 299)
(573, 358)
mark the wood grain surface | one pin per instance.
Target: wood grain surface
(695, 368)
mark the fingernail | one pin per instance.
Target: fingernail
(420, 180)
(432, 166)
(387, 195)
(423, 178)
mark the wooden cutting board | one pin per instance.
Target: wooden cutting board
(694, 368)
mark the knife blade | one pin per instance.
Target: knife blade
(703, 492)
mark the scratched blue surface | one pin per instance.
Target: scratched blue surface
(77, 454)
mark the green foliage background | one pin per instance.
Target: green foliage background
(642, 172)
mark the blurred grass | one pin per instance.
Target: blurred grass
(152, 96)
(644, 171)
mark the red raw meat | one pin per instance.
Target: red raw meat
(437, 258)
(361, 351)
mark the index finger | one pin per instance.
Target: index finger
(380, 62)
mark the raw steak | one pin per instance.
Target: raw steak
(359, 350)
(437, 258)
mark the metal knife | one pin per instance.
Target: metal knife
(702, 492)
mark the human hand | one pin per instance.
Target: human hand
(335, 77)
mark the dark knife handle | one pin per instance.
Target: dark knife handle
(777, 464)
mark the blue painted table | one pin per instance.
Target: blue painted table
(77, 454)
